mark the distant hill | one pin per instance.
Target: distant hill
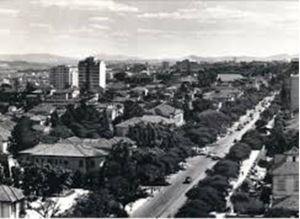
(44, 60)
(38, 58)
(22, 65)
(278, 57)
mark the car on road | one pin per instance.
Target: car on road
(239, 128)
(188, 180)
(216, 158)
(210, 154)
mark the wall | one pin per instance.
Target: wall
(5, 210)
(72, 163)
(294, 92)
(291, 182)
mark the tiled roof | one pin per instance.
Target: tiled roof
(7, 124)
(293, 151)
(100, 143)
(63, 149)
(164, 110)
(290, 203)
(43, 109)
(146, 118)
(229, 77)
(287, 168)
(10, 194)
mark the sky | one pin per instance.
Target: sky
(149, 28)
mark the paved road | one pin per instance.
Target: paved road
(167, 202)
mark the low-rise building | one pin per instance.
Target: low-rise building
(174, 115)
(122, 129)
(11, 202)
(286, 174)
(84, 155)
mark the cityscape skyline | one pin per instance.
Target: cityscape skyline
(146, 29)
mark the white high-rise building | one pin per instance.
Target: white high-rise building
(91, 73)
(74, 77)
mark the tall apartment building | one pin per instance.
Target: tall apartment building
(60, 77)
(74, 77)
(294, 95)
(63, 76)
(92, 73)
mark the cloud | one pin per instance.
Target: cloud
(99, 27)
(99, 19)
(40, 25)
(7, 11)
(102, 5)
(217, 12)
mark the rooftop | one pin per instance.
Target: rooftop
(100, 143)
(290, 203)
(64, 149)
(287, 168)
(10, 194)
(146, 119)
(293, 151)
(229, 77)
(164, 110)
(43, 109)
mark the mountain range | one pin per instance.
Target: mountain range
(49, 59)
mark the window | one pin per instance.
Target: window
(296, 185)
(81, 163)
(92, 163)
(281, 185)
(294, 159)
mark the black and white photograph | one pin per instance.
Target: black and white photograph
(149, 109)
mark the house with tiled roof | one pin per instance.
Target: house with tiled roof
(169, 112)
(122, 129)
(11, 202)
(285, 184)
(84, 155)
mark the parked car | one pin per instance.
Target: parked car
(216, 158)
(210, 154)
(187, 180)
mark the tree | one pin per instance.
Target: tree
(97, 204)
(47, 209)
(194, 209)
(120, 76)
(132, 109)
(227, 168)
(61, 131)
(239, 152)
(45, 180)
(23, 137)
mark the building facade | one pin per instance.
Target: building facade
(286, 174)
(294, 95)
(60, 77)
(74, 77)
(91, 74)
(11, 202)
